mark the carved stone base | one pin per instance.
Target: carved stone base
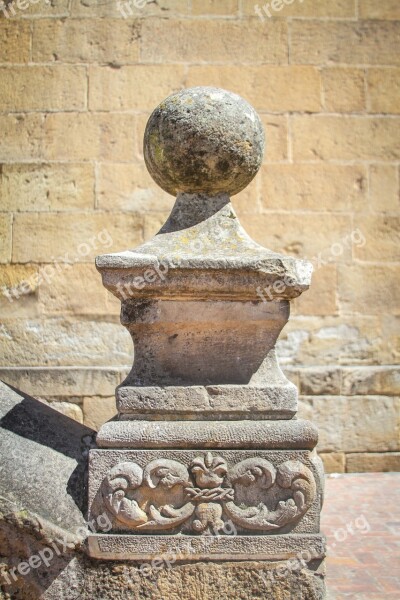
(239, 496)
(302, 547)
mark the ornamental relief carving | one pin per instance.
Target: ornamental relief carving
(166, 494)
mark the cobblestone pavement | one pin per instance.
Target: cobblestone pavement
(361, 519)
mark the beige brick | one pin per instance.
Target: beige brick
(384, 381)
(15, 41)
(55, 8)
(18, 299)
(129, 187)
(344, 89)
(65, 382)
(320, 381)
(5, 237)
(97, 411)
(384, 9)
(276, 138)
(321, 298)
(247, 201)
(72, 237)
(133, 87)
(334, 462)
(76, 290)
(384, 90)
(213, 41)
(21, 137)
(369, 289)
(356, 424)
(42, 88)
(72, 411)
(85, 40)
(313, 240)
(341, 340)
(18, 279)
(362, 42)
(321, 187)
(88, 136)
(62, 342)
(345, 138)
(44, 187)
(382, 235)
(126, 8)
(268, 88)
(227, 8)
(373, 462)
(153, 223)
(384, 187)
(306, 8)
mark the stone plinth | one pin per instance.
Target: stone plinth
(206, 460)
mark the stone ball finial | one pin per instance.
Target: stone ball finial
(203, 140)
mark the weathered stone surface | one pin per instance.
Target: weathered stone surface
(226, 142)
(246, 492)
(129, 187)
(5, 232)
(43, 459)
(178, 342)
(208, 434)
(347, 340)
(58, 341)
(349, 424)
(205, 402)
(217, 548)
(383, 381)
(98, 410)
(353, 138)
(384, 90)
(320, 381)
(268, 88)
(56, 88)
(70, 237)
(334, 462)
(64, 381)
(84, 40)
(132, 87)
(44, 187)
(226, 41)
(364, 42)
(203, 235)
(70, 410)
(344, 89)
(373, 461)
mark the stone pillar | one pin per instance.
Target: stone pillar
(207, 460)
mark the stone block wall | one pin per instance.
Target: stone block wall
(78, 79)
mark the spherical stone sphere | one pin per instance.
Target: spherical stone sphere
(203, 139)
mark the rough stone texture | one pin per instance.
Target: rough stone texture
(209, 434)
(207, 43)
(373, 461)
(48, 512)
(46, 187)
(203, 140)
(43, 459)
(97, 410)
(334, 462)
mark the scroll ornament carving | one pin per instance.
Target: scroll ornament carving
(166, 494)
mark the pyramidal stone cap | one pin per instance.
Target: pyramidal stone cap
(203, 145)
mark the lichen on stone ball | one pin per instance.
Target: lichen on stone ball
(203, 139)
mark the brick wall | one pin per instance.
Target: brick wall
(77, 83)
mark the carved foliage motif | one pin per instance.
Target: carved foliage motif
(166, 494)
